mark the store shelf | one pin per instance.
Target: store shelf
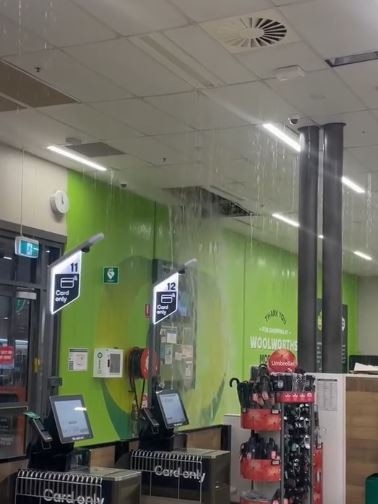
(261, 420)
(260, 470)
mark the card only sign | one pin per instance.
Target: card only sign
(65, 282)
(165, 298)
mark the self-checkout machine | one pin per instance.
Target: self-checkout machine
(170, 471)
(59, 472)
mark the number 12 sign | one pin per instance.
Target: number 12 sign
(165, 298)
(65, 282)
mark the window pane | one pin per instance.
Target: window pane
(14, 347)
(12, 434)
(53, 254)
(14, 267)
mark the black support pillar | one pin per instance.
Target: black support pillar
(307, 246)
(332, 247)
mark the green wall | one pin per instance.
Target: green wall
(247, 293)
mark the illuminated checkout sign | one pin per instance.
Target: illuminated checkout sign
(65, 282)
(165, 298)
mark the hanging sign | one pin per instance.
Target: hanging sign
(65, 282)
(165, 296)
(282, 361)
(26, 247)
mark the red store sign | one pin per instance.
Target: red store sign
(6, 355)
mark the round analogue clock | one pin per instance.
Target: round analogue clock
(59, 202)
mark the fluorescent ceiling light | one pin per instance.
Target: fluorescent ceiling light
(352, 59)
(76, 157)
(362, 255)
(287, 220)
(352, 185)
(279, 133)
(7, 258)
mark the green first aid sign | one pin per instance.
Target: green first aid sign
(111, 275)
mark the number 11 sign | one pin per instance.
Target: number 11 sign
(65, 282)
(165, 298)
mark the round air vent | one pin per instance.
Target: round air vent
(252, 31)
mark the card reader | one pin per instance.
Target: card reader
(41, 430)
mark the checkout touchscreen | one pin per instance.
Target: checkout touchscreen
(71, 419)
(172, 408)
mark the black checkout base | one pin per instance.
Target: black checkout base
(162, 469)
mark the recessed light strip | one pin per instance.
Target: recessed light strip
(283, 136)
(363, 255)
(76, 157)
(287, 220)
(352, 185)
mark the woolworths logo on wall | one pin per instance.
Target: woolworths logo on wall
(274, 334)
(70, 498)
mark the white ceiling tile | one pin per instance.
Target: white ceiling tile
(351, 165)
(13, 40)
(142, 116)
(130, 67)
(60, 22)
(361, 128)
(150, 150)
(31, 127)
(289, 2)
(202, 10)
(196, 110)
(135, 16)
(366, 156)
(63, 72)
(205, 148)
(198, 146)
(318, 93)
(210, 54)
(239, 140)
(336, 27)
(179, 62)
(92, 122)
(362, 78)
(183, 175)
(264, 62)
(254, 102)
(123, 162)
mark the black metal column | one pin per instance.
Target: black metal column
(308, 246)
(332, 247)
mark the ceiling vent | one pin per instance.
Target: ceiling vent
(250, 32)
(204, 203)
(95, 149)
(22, 87)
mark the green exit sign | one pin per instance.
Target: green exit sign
(111, 275)
(26, 247)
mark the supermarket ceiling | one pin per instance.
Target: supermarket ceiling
(177, 90)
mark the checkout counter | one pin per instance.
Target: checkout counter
(59, 473)
(160, 471)
(170, 472)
